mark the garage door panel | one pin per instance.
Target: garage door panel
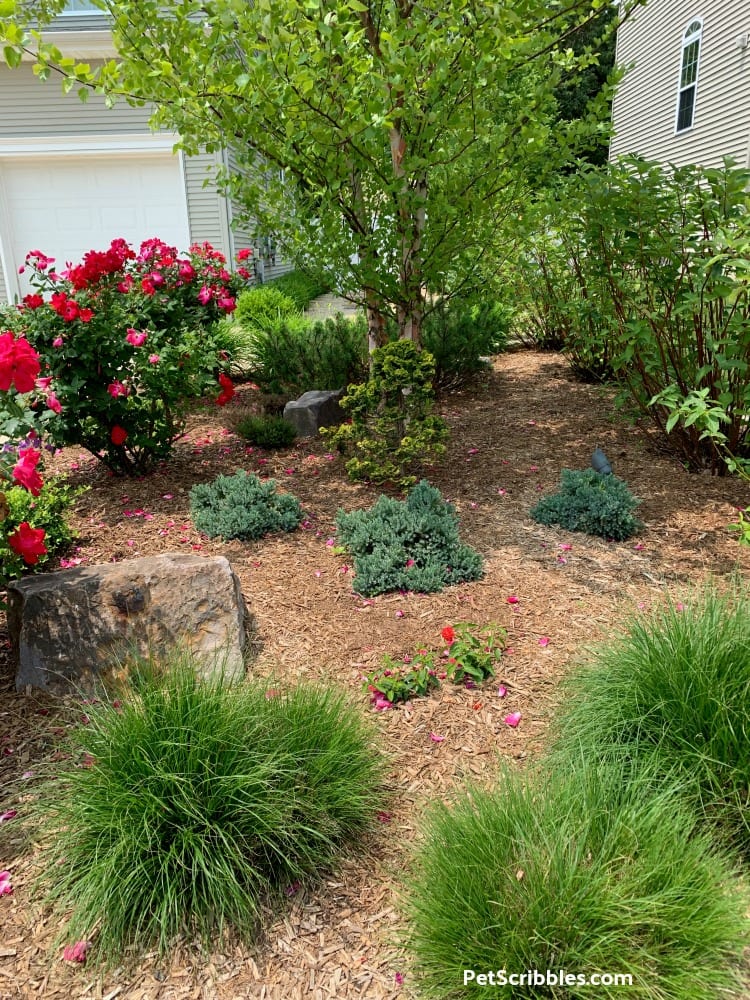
(65, 206)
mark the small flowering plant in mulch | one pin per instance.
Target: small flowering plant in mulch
(470, 658)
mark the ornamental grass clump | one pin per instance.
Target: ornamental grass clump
(267, 431)
(597, 871)
(410, 544)
(242, 506)
(191, 804)
(589, 502)
(673, 692)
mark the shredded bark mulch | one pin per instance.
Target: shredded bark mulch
(511, 434)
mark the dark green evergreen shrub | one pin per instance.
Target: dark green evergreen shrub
(586, 501)
(393, 429)
(242, 506)
(461, 334)
(294, 354)
(411, 544)
(267, 432)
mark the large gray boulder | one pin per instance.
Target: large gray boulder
(315, 409)
(67, 628)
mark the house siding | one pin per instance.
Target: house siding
(31, 108)
(644, 107)
(207, 212)
(3, 289)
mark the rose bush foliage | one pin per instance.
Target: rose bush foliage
(125, 339)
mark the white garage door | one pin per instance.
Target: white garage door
(66, 205)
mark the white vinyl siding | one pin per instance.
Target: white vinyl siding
(207, 209)
(651, 45)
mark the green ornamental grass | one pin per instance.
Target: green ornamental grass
(595, 870)
(194, 801)
(674, 690)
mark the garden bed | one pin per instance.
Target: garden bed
(510, 436)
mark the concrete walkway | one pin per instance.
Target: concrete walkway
(328, 305)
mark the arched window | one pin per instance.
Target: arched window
(688, 88)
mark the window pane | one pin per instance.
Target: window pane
(686, 109)
(73, 6)
(693, 28)
(689, 63)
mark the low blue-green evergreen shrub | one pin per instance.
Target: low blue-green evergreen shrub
(597, 870)
(242, 506)
(594, 504)
(410, 544)
(188, 805)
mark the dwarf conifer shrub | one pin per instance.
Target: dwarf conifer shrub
(393, 429)
(597, 870)
(242, 506)
(189, 802)
(410, 544)
(267, 431)
(586, 501)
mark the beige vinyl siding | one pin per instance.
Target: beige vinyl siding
(645, 105)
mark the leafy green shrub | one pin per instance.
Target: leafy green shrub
(460, 335)
(411, 544)
(296, 354)
(126, 340)
(597, 871)
(267, 431)
(242, 506)
(47, 511)
(586, 501)
(300, 287)
(262, 305)
(188, 801)
(673, 692)
(393, 428)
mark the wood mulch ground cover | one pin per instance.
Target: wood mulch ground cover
(512, 433)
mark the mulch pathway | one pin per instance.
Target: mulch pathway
(512, 432)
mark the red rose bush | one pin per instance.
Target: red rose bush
(125, 339)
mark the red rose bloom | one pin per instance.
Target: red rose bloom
(28, 543)
(33, 301)
(19, 363)
(227, 389)
(24, 471)
(118, 435)
(448, 634)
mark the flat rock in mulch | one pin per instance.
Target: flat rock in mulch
(67, 628)
(313, 410)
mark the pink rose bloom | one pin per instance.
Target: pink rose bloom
(135, 337)
(53, 403)
(186, 270)
(226, 303)
(117, 389)
(153, 359)
(57, 342)
(24, 471)
(204, 295)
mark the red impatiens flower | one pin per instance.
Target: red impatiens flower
(19, 363)
(448, 634)
(28, 543)
(227, 389)
(118, 435)
(24, 471)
